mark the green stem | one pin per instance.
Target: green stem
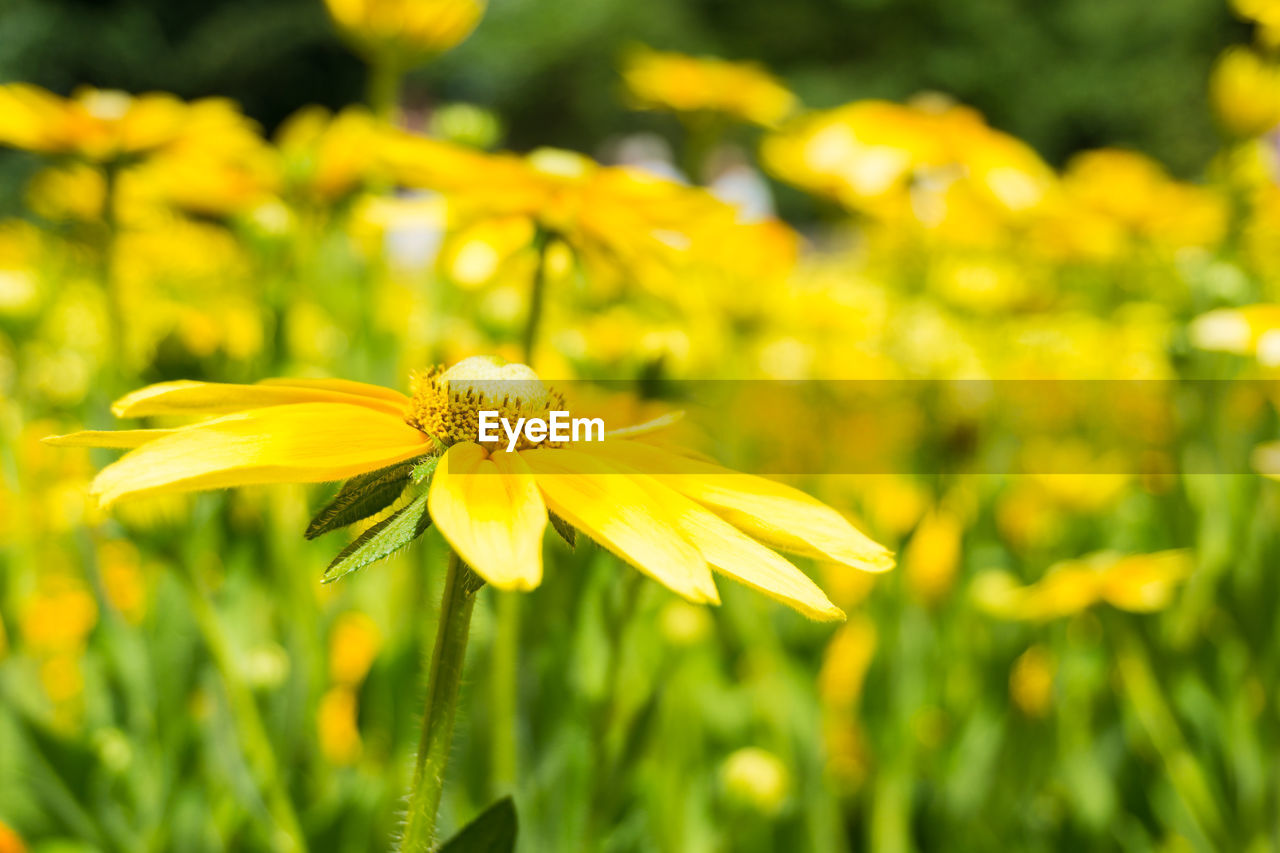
(107, 270)
(447, 657)
(502, 695)
(384, 87)
(248, 720)
(537, 296)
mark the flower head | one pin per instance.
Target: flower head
(94, 124)
(691, 84)
(1245, 91)
(1139, 583)
(410, 32)
(672, 517)
(618, 222)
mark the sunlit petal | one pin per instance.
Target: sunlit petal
(491, 513)
(302, 443)
(771, 512)
(213, 398)
(612, 509)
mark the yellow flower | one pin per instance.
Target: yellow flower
(1265, 13)
(408, 32)
(95, 124)
(353, 645)
(1139, 583)
(1133, 194)
(1031, 682)
(619, 222)
(10, 842)
(336, 726)
(1250, 330)
(933, 555)
(672, 517)
(689, 84)
(931, 162)
(757, 779)
(327, 157)
(1245, 91)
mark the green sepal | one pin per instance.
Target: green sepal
(382, 539)
(567, 531)
(424, 470)
(361, 497)
(493, 831)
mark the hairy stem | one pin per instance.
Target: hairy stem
(447, 657)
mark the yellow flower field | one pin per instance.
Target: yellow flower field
(933, 503)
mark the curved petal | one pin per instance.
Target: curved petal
(732, 552)
(302, 443)
(610, 507)
(490, 511)
(652, 425)
(777, 515)
(344, 386)
(122, 439)
(185, 397)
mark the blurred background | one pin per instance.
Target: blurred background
(1077, 646)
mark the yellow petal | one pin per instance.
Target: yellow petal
(650, 426)
(491, 513)
(302, 443)
(737, 555)
(610, 507)
(344, 386)
(118, 438)
(777, 515)
(185, 397)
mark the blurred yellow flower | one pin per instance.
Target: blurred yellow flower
(1245, 90)
(122, 578)
(328, 157)
(757, 779)
(405, 32)
(58, 616)
(96, 124)
(845, 664)
(353, 645)
(622, 224)
(1265, 13)
(932, 162)
(744, 91)
(673, 517)
(1031, 682)
(10, 842)
(1250, 330)
(1139, 583)
(932, 557)
(336, 726)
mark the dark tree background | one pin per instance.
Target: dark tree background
(1063, 74)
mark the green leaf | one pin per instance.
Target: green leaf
(382, 540)
(566, 530)
(493, 831)
(361, 497)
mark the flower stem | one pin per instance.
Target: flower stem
(537, 296)
(248, 720)
(383, 92)
(447, 657)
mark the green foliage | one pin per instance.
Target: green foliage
(382, 539)
(493, 831)
(361, 497)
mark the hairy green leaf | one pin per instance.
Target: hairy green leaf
(567, 531)
(361, 497)
(382, 540)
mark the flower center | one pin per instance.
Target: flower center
(447, 403)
